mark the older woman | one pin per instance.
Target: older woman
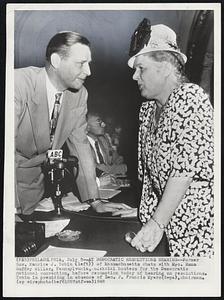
(175, 148)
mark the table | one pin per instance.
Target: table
(101, 231)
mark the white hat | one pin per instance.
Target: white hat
(162, 38)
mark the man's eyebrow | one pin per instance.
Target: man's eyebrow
(83, 60)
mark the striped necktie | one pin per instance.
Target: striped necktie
(54, 116)
(100, 156)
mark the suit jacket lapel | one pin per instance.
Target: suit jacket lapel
(39, 112)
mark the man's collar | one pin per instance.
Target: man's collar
(50, 86)
(92, 137)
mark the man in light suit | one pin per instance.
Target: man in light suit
(67, 65)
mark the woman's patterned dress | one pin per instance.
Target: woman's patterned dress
(180, 145)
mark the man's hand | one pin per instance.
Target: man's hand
(126, 213)
(119, 160)
(148, 238)
(106, 179)
(101, 207)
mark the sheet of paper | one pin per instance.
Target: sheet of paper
(70, 202)
(53, 227)
(111, 186)
(52, 251)
(121, 182)
(108, 193)
(45, 205)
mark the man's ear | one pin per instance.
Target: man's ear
(55, 60)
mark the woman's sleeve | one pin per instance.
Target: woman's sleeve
(140, 140)
(192, 145)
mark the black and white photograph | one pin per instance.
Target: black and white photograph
(112, 133)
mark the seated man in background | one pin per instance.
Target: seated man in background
(106, 158)
(113, 131)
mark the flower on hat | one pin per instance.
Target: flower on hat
(140, 37)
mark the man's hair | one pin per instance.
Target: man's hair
(62, 41)
(92, 113)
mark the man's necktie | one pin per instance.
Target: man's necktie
(54, 116)
(100, 156)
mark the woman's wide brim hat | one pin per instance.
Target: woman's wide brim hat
(147, 38)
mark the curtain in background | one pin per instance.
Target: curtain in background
(200, 51)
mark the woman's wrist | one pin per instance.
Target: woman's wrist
(161, 225)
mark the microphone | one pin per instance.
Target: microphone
(55, 169)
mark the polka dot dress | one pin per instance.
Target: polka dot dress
(180, 145)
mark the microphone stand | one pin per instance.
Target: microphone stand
(56, 173)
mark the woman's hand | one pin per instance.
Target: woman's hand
(148, 238)
(126, 213)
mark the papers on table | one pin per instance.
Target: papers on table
(108, 193)
(53, 227)
(111, 186)
(120, 183)
(70, 252)
(70, 202)
(45, 205)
